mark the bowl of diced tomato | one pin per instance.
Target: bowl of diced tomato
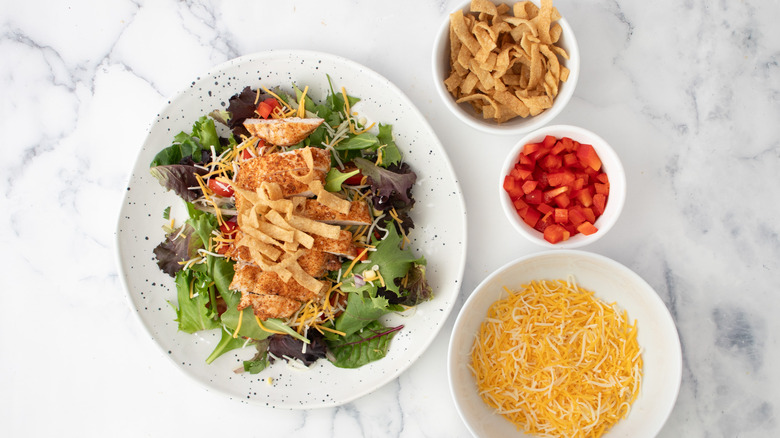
(562, 186)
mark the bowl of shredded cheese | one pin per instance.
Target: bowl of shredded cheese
(564, 343)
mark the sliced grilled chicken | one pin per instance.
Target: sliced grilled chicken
(342, 247)
(288, 131)
(250, 278)
(293, 160)
(268, 306)
(358, 213)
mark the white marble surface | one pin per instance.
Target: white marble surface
(687, 92)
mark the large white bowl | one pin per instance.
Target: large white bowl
(611, 282)
(518, 125)
(611, 165)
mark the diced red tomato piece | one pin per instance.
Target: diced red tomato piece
(551, 162)
(531, 216)
(561, 215)
(563, 177)
(525, 161)
(588, 157)
(519, 204)
(521, 172)
(599, 203)
(549, 141)
(576, 216)
(558, 148)
(535, 197)
(586, 228)
(602, 189)
(570, 159)
(549, 195)
(603, 178)
(545, 208)
(512, 187)
(539, 154)
(263, 110)
(529, 186)
(584, 196)
(590, 215)
(354, 180)
(530, 148)
(543, 223)
(229, 227)
(556, 233)
(563, 200)
(568, 144)
(220, 188)
(541, 176)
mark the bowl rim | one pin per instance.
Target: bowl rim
(613, 166)
(674, 361)
(516, 126)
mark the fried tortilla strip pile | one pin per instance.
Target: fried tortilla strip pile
(505, 60)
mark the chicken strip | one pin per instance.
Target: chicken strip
(252, 279)
(288, 131)
(268, 306)
(358, 213)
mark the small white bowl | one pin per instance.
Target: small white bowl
(611, 282)
(518, 125)
(611, 165)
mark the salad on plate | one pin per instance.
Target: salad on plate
(297, 236)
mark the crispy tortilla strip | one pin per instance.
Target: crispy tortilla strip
(485, 6)
(463, 31)
(313, 227)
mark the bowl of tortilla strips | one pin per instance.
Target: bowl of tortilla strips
(506, 68)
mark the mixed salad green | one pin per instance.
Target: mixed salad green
(344, 326)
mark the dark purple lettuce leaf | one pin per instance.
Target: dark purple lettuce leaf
(391, 186)
(241, 107)
(172, 251)
(284, 345)
(179, 178)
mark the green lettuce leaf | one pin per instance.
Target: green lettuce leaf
(360, 348)
(393, 262)
(389, 150)
(226, 343)
(196, 313)
(334, 179)
(363, 308)
(203, 136)
(362, 141)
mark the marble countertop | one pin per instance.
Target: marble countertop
(688, 93)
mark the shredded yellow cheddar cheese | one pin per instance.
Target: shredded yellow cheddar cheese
(556, 361)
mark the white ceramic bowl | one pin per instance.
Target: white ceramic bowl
(611, 282)
(518, 125)
(611, 165)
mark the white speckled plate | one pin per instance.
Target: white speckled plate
(439, 234)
